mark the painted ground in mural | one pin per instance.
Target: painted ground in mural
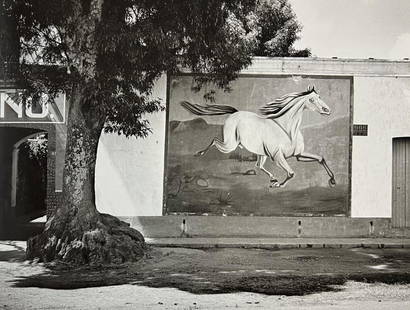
(231, 184)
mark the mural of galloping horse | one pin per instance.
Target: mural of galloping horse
(274, 133)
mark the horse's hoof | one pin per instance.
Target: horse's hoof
(273, 181)
(200, 153)
(274, 184)
(332, 182)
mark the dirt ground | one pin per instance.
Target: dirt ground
(178, 278)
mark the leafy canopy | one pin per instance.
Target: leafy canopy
(133, 42)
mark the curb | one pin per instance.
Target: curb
(277, 244)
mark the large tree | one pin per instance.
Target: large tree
(106, 56)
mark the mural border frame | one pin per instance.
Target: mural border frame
(264, 75)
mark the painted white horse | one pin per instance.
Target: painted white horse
(275, 133)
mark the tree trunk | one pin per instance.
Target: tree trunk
(76, 232)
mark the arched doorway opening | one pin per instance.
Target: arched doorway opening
(23, 180)
(29, 176)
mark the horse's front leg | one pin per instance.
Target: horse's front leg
(307, 157)
(260, 164)
(281, 162)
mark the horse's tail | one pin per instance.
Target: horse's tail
(209, 109)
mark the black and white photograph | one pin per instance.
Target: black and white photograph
(205, 154)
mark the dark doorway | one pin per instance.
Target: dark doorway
(23, 181)
(31, 178)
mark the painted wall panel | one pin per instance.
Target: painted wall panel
(225, 181)
(384, 104)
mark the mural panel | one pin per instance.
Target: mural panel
(273, 146)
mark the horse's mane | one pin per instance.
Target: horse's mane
(281, 105)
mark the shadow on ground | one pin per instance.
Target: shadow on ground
(13, 252)
(273, 272)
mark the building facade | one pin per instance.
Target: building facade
(157, 182)
(367, 145)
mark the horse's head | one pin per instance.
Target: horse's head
(314, 103)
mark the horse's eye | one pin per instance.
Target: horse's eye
(311, 100)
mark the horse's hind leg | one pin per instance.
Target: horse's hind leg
(281, 162)
(224, 147)
(260, 164)
(230, 140)
(204, 151)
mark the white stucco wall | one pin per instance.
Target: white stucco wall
(383, 103)
(129, 172)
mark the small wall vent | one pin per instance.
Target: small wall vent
(360, 130)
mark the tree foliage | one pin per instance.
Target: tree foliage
(9, 43)
(134, 42)
(106, 56)
(275, 26)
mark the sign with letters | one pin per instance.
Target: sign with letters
(15, 108)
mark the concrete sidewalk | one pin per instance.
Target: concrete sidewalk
(280, 243)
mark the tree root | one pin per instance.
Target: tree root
(103, 239)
